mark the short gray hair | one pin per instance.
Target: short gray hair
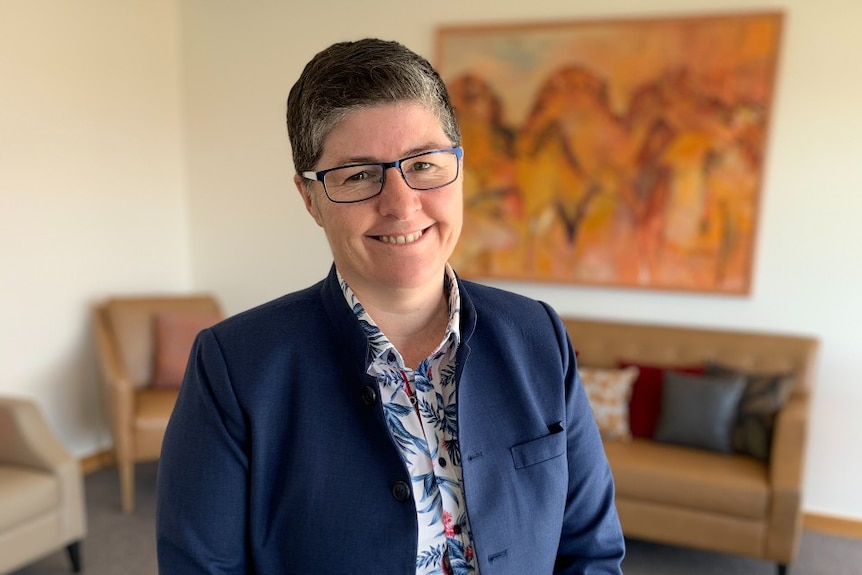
(349, 76)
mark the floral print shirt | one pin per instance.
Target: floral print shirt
(419, 406)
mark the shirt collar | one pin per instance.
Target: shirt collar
(379, 342)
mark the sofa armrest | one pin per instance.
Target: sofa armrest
(786, 470)
(786, 465)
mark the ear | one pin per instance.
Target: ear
(308, 198)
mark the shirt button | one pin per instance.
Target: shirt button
(369, 396)
(400, 491)
(457, 529)
(442, 462)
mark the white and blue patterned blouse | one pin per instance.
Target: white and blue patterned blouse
(419, 407)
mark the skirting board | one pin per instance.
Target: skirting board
(820, 523)
(832, 525)
(96, 461)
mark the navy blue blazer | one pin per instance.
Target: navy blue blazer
(277, 459)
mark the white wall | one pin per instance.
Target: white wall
(253, 241)
(92, 187)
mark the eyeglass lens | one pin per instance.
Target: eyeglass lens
(423, 172)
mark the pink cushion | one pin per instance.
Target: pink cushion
(175, 333)
(645, 403)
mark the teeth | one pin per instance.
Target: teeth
(408, 239)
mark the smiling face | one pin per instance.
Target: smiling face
(402, 238)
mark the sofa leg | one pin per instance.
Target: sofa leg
(782, 569)
(74, 551)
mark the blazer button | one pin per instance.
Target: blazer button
(400, 491)
(369, 396)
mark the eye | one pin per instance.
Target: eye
(355, 175)
(358, 176)
(421, 166)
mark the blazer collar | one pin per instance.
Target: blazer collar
(351, 338)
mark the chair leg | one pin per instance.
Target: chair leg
(74, 551)
(127, 485)
(782, 569)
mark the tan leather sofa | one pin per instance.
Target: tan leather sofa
(138, 413)
(41, 492)
(694, 497)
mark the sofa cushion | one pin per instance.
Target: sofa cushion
(608, 391)
(699, 411)
(763, 397)
(153, 407)
(645, 402)
(26, 494)
(689, 478)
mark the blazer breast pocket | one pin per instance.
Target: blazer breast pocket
(539, 450)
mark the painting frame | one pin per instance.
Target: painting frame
(620, 152)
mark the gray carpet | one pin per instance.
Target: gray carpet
(118, 544)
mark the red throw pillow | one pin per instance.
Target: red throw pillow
(645, 402)
(175, 333)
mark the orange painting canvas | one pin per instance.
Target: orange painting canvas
(620, 153)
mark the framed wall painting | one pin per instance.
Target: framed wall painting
(623, 153)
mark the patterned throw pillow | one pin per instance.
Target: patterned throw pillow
(609, 391)
(762, 399)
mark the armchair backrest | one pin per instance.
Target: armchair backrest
(127, 323)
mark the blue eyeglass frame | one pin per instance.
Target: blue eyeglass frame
(318, 176)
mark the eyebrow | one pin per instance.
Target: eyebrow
(411, 152)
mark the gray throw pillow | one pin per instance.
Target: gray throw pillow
(699, 410)
(762, 399)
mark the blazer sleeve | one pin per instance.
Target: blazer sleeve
(201, 509)
(591, 542)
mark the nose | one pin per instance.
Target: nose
(397, 199)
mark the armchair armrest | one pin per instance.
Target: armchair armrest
(118, 387)
(786, 469)
(113, 372)
(28, 440)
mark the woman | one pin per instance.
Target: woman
(392, 418)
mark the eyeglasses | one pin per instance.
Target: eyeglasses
(358, 182)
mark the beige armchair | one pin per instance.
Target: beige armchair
(41, 492)
(138, 411)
